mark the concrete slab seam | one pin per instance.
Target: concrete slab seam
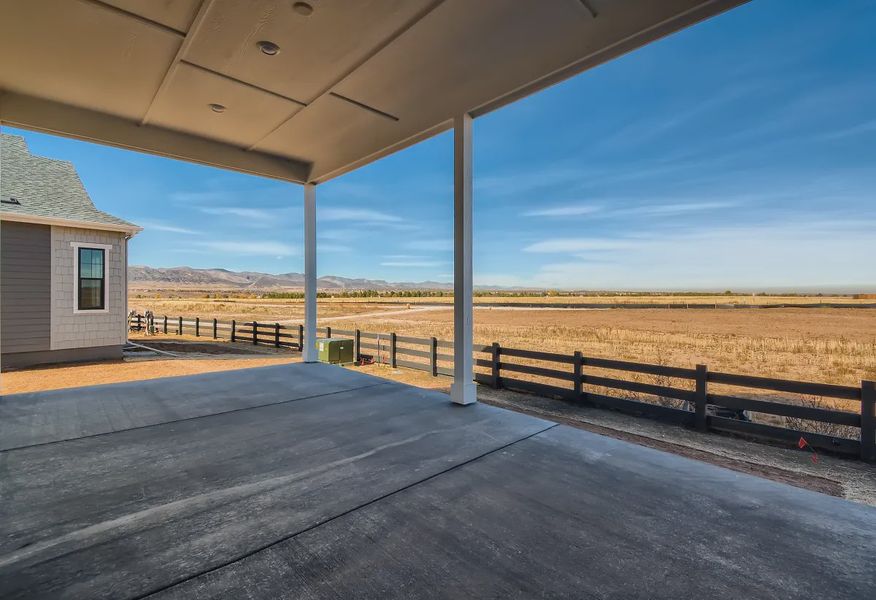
(341, 514)
(224, 412)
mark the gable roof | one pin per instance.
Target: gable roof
(44, 190)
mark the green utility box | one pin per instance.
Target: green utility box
(335, 350)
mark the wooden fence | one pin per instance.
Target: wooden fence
(259, 334)
(696, 397)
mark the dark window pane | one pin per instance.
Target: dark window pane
(84, 262)
(91, 279)
(90, 294)
(97, 264)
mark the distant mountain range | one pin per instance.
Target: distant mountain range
(187, 277)
(140, 276)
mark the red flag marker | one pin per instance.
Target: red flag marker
(802, 443)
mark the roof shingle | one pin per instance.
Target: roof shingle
(46, 189)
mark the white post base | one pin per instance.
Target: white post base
(463, 393)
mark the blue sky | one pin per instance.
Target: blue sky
(740, 153)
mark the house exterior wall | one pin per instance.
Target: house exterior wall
(25, 287)
(70, 329)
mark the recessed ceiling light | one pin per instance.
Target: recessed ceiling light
(217, 108)
(269, 48)
(303, 8)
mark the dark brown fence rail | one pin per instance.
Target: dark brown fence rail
(680, 395)
(260, 334)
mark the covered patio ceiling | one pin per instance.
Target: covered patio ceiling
(337, 85)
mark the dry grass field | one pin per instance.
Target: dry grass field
(824, 344)
(150, 296)
(831, 345)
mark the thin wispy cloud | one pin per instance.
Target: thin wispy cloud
(676, 209)
(360, 215)
(229, 194)
(569, 210)
(760, 256)
(865, 128)
(414, 263)
(338, 234)
(574, 245)
(202, 197)
(333, 248)
(255, 214)
(432, 245)
(521, 182)
(249, 248)
(591, 210)
(166, 227)
(673, 118)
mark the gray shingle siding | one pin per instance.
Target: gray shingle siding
(26, 286)
(86, 329)
(46, 188)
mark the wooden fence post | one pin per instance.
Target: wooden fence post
(392, 346)
(433, 356)
(495, 351)
(328, 331)
(233, 329)
(868, 420)
(255, 333)
(357, 350)
(276, 335)
(215, 328)
(179, 327)
(301, 338)
(701, 398)
(165, 324)
(579, 373)
(197, 326)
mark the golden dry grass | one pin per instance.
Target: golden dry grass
(829, 345)
(621, 299)
(825, 344)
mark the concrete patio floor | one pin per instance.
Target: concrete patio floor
(311, 481)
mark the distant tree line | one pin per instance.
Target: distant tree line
(298, 295)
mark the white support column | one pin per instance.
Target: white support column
(463, 389)
(309, 350)
(1, 276)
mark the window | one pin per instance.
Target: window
(90, 277)
(91, 285)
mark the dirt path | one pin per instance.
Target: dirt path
(371, 315)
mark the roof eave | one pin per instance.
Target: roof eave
(42, 220)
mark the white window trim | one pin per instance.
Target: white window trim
(107, 248)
